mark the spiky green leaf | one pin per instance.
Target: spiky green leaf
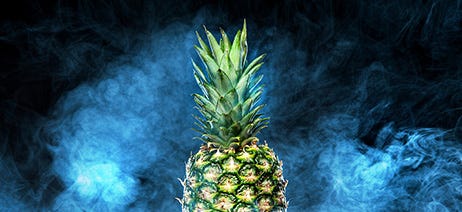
(214, 46)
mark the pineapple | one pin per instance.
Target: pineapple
(231, 172)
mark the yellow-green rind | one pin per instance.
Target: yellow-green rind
(224, 180)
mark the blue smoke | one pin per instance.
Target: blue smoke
(417, 169)
(116, 138)
(358, 124)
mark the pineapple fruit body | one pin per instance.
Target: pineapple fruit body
(228, 180)
(231, 172)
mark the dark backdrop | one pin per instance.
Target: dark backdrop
(364, 98)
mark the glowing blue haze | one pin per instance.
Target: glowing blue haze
(108, 132)
(120, 140)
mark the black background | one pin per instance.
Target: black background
(415, 45)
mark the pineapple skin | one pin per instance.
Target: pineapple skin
(249, 179)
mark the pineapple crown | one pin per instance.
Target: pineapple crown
(231, 91)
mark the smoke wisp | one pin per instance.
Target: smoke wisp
(364, 99)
